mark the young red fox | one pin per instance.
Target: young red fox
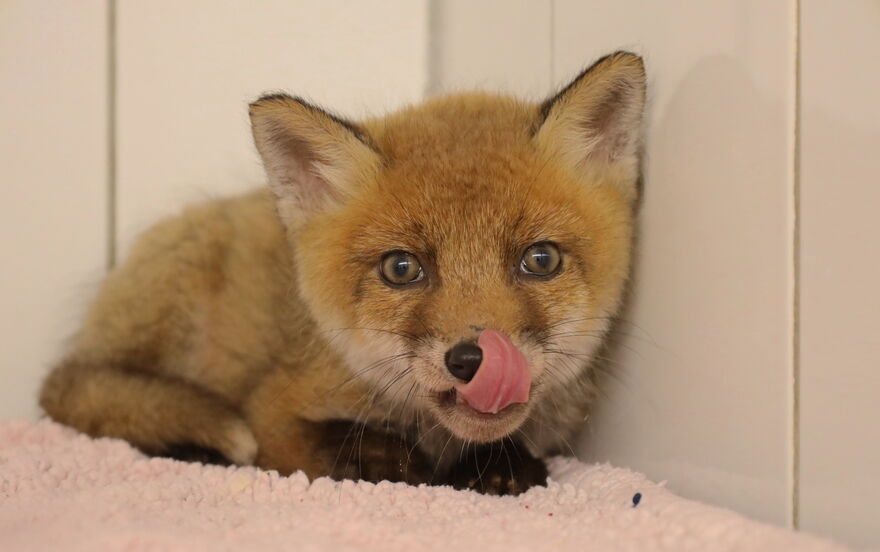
(419, 298)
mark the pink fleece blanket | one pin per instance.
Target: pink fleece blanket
(63, 491)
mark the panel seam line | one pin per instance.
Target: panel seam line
(111, 218)
(796, 275)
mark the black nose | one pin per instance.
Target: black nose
(462, 360)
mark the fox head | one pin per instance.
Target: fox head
(468, 254)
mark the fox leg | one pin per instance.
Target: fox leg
(340, 449)
(304, 425)
(160, 415)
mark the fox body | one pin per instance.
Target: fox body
(418, 297)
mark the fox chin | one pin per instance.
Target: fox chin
(417, 297)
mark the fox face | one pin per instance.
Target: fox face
(466, 256)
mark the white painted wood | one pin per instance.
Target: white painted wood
(53, 198)
(840, 270)
(499, 45)
(187, 71)
(700, 395)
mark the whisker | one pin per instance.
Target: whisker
(440, 457)
(558, 434)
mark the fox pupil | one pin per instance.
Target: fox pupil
(401, 267)
(542, 257)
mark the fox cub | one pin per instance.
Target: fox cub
(418, 297)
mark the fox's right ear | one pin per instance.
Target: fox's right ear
(313, 159)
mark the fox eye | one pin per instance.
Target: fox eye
(399, 268)
(541, 259)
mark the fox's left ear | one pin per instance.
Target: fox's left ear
(594, 124)
(313, 159)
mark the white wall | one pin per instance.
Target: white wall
(53, 165)
(722, 387)
(839, 299)
(494, 45)
(187, 70)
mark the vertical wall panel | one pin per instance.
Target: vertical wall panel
(53, 196)
(700, 395)
(187, 71)
(840, 270)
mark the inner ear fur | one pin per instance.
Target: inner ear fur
(313, 159)
(594, 124)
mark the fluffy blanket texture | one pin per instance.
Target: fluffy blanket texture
(64, 491)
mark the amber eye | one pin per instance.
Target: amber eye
(400, 268)
(541, 259)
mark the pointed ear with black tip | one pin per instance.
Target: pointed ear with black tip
(594, 125)
(313, 159)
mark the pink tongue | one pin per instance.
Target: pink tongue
(502, 379)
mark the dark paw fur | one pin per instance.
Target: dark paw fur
(189, 452)
(496, 470)
(358, 452)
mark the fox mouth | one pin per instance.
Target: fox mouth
(469, 423)
(452, 401)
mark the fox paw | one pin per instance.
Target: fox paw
(494, 470)
(362, 453)
(239, 444)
